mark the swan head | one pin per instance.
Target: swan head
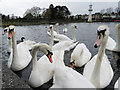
(46, 49)
(102, 32)
(74, 26)
(11, 31)
(72, 63)
(51, 27)
(22, 39)
(57, 24)
(6, 30)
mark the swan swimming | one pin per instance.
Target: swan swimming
(40, 71)
(80, 55)
(111, 44)
(98, 70)
(29, 43)
(20, 56)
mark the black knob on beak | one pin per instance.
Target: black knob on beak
(95, 46)
(8, 37)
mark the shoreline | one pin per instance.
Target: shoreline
(27, 23)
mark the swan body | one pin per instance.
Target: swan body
(42, 68)
(70, 77)
(20, 56)
(81, 55)
(111, 44)
(21, 60)
(61, 37)
(98, 70)
(106, 72)
(65, 29)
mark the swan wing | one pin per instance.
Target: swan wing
(110, 44)
(81, 55)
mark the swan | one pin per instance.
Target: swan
(29, 43)
(49, 32)
(62, 37)
(98, 70)
(48, 67)
(65, 77)
(116, 84)
(20, 56)
(65, 29)
(111, 44)
(80, 55)
(40, 71)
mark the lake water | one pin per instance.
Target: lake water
(86, 33)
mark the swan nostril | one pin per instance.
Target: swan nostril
(95, 46)
(8, 37)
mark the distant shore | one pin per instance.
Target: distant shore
(26, 23)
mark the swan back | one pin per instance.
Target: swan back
(81, 55)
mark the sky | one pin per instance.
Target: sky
(18, 7)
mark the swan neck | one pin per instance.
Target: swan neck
(73, 35)
(34, 58)
(51, 41)
(57, 30)
(96, 72)
(14, 45)
(10, 44)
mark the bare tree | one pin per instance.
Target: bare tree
(35, 11)
(109, 10)
(102, 11)
(117, 9)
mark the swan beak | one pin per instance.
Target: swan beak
(5, 31)
(72, 66)
(76, 27)
(50, 57)
(50, 28)
(10, 35)
(98, 41)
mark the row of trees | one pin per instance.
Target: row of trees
(58, 12)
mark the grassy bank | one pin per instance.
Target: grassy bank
(37, 22)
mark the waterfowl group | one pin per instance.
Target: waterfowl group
(97, 72)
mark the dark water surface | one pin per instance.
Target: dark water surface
(86, 33)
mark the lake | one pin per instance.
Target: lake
(86, 33)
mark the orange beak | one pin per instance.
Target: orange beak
(98, 41)
(49, 57)
(10, 34)
(50, 28)
(72, 65)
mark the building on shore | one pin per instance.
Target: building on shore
(90, 13)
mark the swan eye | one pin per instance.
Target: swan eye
(10, 30)
(49, 53)
(101, 32)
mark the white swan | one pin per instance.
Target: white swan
(49, 32)
(41, 70)
(62, 37)
(20, 56)
(80, 55)
(48, 67)
(116, 84)
(98, 70)
(65, 29)
(29, 43)
(111, 44)
(66, 77)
